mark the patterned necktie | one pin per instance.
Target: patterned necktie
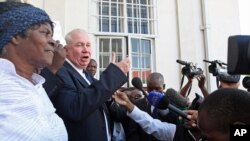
(88, 76)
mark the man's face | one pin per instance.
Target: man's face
(92, 66)
(79, 50)
(134, 95)
(207, 129)
(37, 48)
(155, 86)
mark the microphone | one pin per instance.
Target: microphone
(160, 101)
(183, 62)
(246, 82)
(177, 99)
(136, 82)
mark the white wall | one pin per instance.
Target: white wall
(224, 20)
(181, 37)
(244, 16)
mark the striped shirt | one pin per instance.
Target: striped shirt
(26, 113)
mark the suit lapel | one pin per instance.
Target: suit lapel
(76, 74)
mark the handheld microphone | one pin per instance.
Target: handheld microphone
(177, 99)
(160, 101)
(137, 83)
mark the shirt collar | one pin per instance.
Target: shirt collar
(77, 69)
(8, 67)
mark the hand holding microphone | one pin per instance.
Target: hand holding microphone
(192, 115)
(160, 101)
(122, 99)
(136, 82)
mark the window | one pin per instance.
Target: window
(136, 15)
(107, 45)
(111, 16)
(139, 15)
(141, 58)
(127, 27)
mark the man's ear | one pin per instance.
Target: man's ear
(14, 40)
(164, 85)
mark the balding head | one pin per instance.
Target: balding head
(155, 81)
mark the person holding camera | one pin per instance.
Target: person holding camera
(191, 71)
(223, 78)
(201, 83)
(228, 81)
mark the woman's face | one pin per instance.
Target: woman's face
(37, 48)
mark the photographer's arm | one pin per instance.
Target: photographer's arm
(185, 88)
(201, 82)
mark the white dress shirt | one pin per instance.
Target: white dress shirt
(161, 130)
(26, 113)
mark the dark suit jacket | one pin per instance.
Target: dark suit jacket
(52, 83)
(80, 105)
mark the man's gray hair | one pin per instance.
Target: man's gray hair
(68, 37)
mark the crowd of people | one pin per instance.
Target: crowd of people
(50, 92)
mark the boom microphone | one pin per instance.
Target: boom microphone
(183, 62)
(160, 101)
(246, 82)
(177, 99)
(136, 82)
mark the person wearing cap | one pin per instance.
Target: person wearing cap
(26, 47)
(228, 81)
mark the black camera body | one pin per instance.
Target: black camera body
(217, 67)
(196, 102)
(189, 69)
(219, 70)
(238, 56)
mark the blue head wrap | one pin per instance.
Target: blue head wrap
(18, 20)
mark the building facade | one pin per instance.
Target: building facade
(152, 33)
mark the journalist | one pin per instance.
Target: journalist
(161, 130)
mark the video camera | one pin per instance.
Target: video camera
(219, 70)
(190, 70)
(238, 57)
(217, 67)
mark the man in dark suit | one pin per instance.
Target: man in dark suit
(80, 101)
